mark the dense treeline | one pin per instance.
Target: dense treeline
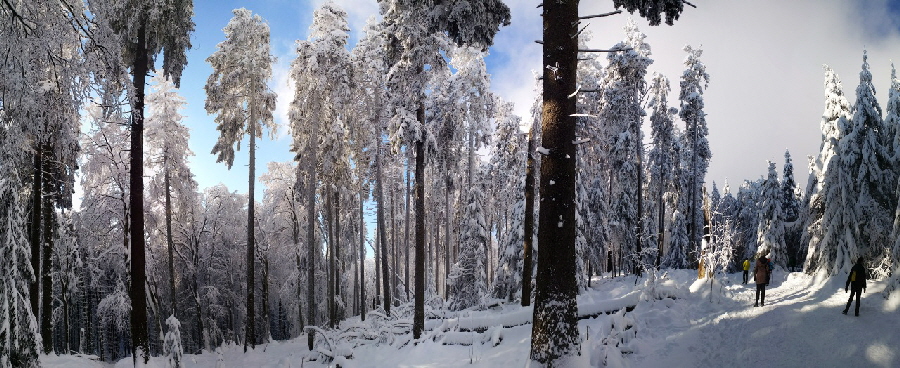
(389, 128)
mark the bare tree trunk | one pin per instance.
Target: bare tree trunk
(250, 338)
(140, 345)
(447, 233)
(527, 265)
(406, 233)
(339, 268)
(266, 311)
(362, 260)
(46, 273)
(419, 305)
(638, 268)
(395, 251)
(379, 187)
(329, 205)
(554, 333)
(169, 242)
(311, 246)
(35, 226)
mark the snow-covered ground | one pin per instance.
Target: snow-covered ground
(694, 326)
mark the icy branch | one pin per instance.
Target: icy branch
(543, 150)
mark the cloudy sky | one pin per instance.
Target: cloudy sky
(764, 58)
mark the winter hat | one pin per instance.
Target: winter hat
(859, 260)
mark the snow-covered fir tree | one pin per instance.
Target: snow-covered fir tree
(693, 82)
(19, 339)
(790, 204)
(868, 155)
(892, 121)
(508, 156)
(837, 113)
(770, 228)
(661, 158)
(172, 348)
(467, 277)
(622, 116)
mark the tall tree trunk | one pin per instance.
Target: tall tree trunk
(339, 268)
(395, 276)
(266, 314)
(406, 233)
(379, 187)
(169, 242)
(362, 260)
(527, 266)
(419, 305)
(661, 219)
(638, 268)
(140, 344)
(449, 185)
(311, 235)
(35, 228)
(329, 209)
(250, 337)
(554, 333)
(47, 255)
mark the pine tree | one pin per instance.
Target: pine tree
(770, 228)
(837, 112)
(622, 117)
(508, 155)
(892, 121)
(242, 63)
(18, 328)
(661, 158)
(172, 344)
(467, 277)
(868, 156)
(694, 81)
(790, 206)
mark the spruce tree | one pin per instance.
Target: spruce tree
(242, 63)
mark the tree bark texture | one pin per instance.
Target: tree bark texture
(139, 339)
(47, 253)
(528, 250)
(250, 328)
(554, 334)
(382, 234)
(419, 303)
(311, 247)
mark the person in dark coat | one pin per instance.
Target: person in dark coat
(761, 274)
(856, 283)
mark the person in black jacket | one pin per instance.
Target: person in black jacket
(856, 282)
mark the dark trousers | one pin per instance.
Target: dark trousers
(760, 294)
(746, 276)
(858, 294)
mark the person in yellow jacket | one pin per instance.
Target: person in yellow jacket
(746, 270)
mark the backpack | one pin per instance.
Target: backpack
(853, 276)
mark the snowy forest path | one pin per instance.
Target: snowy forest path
(801, 325)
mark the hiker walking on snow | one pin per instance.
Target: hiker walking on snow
(856, 282)
(746, 270)
(761, 275)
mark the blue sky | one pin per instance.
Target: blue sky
(764, 58)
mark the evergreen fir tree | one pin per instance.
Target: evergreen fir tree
(837, 113)
(790, 205)
(770, 228)
(867, 159)
(467, 278)
(694, 81)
